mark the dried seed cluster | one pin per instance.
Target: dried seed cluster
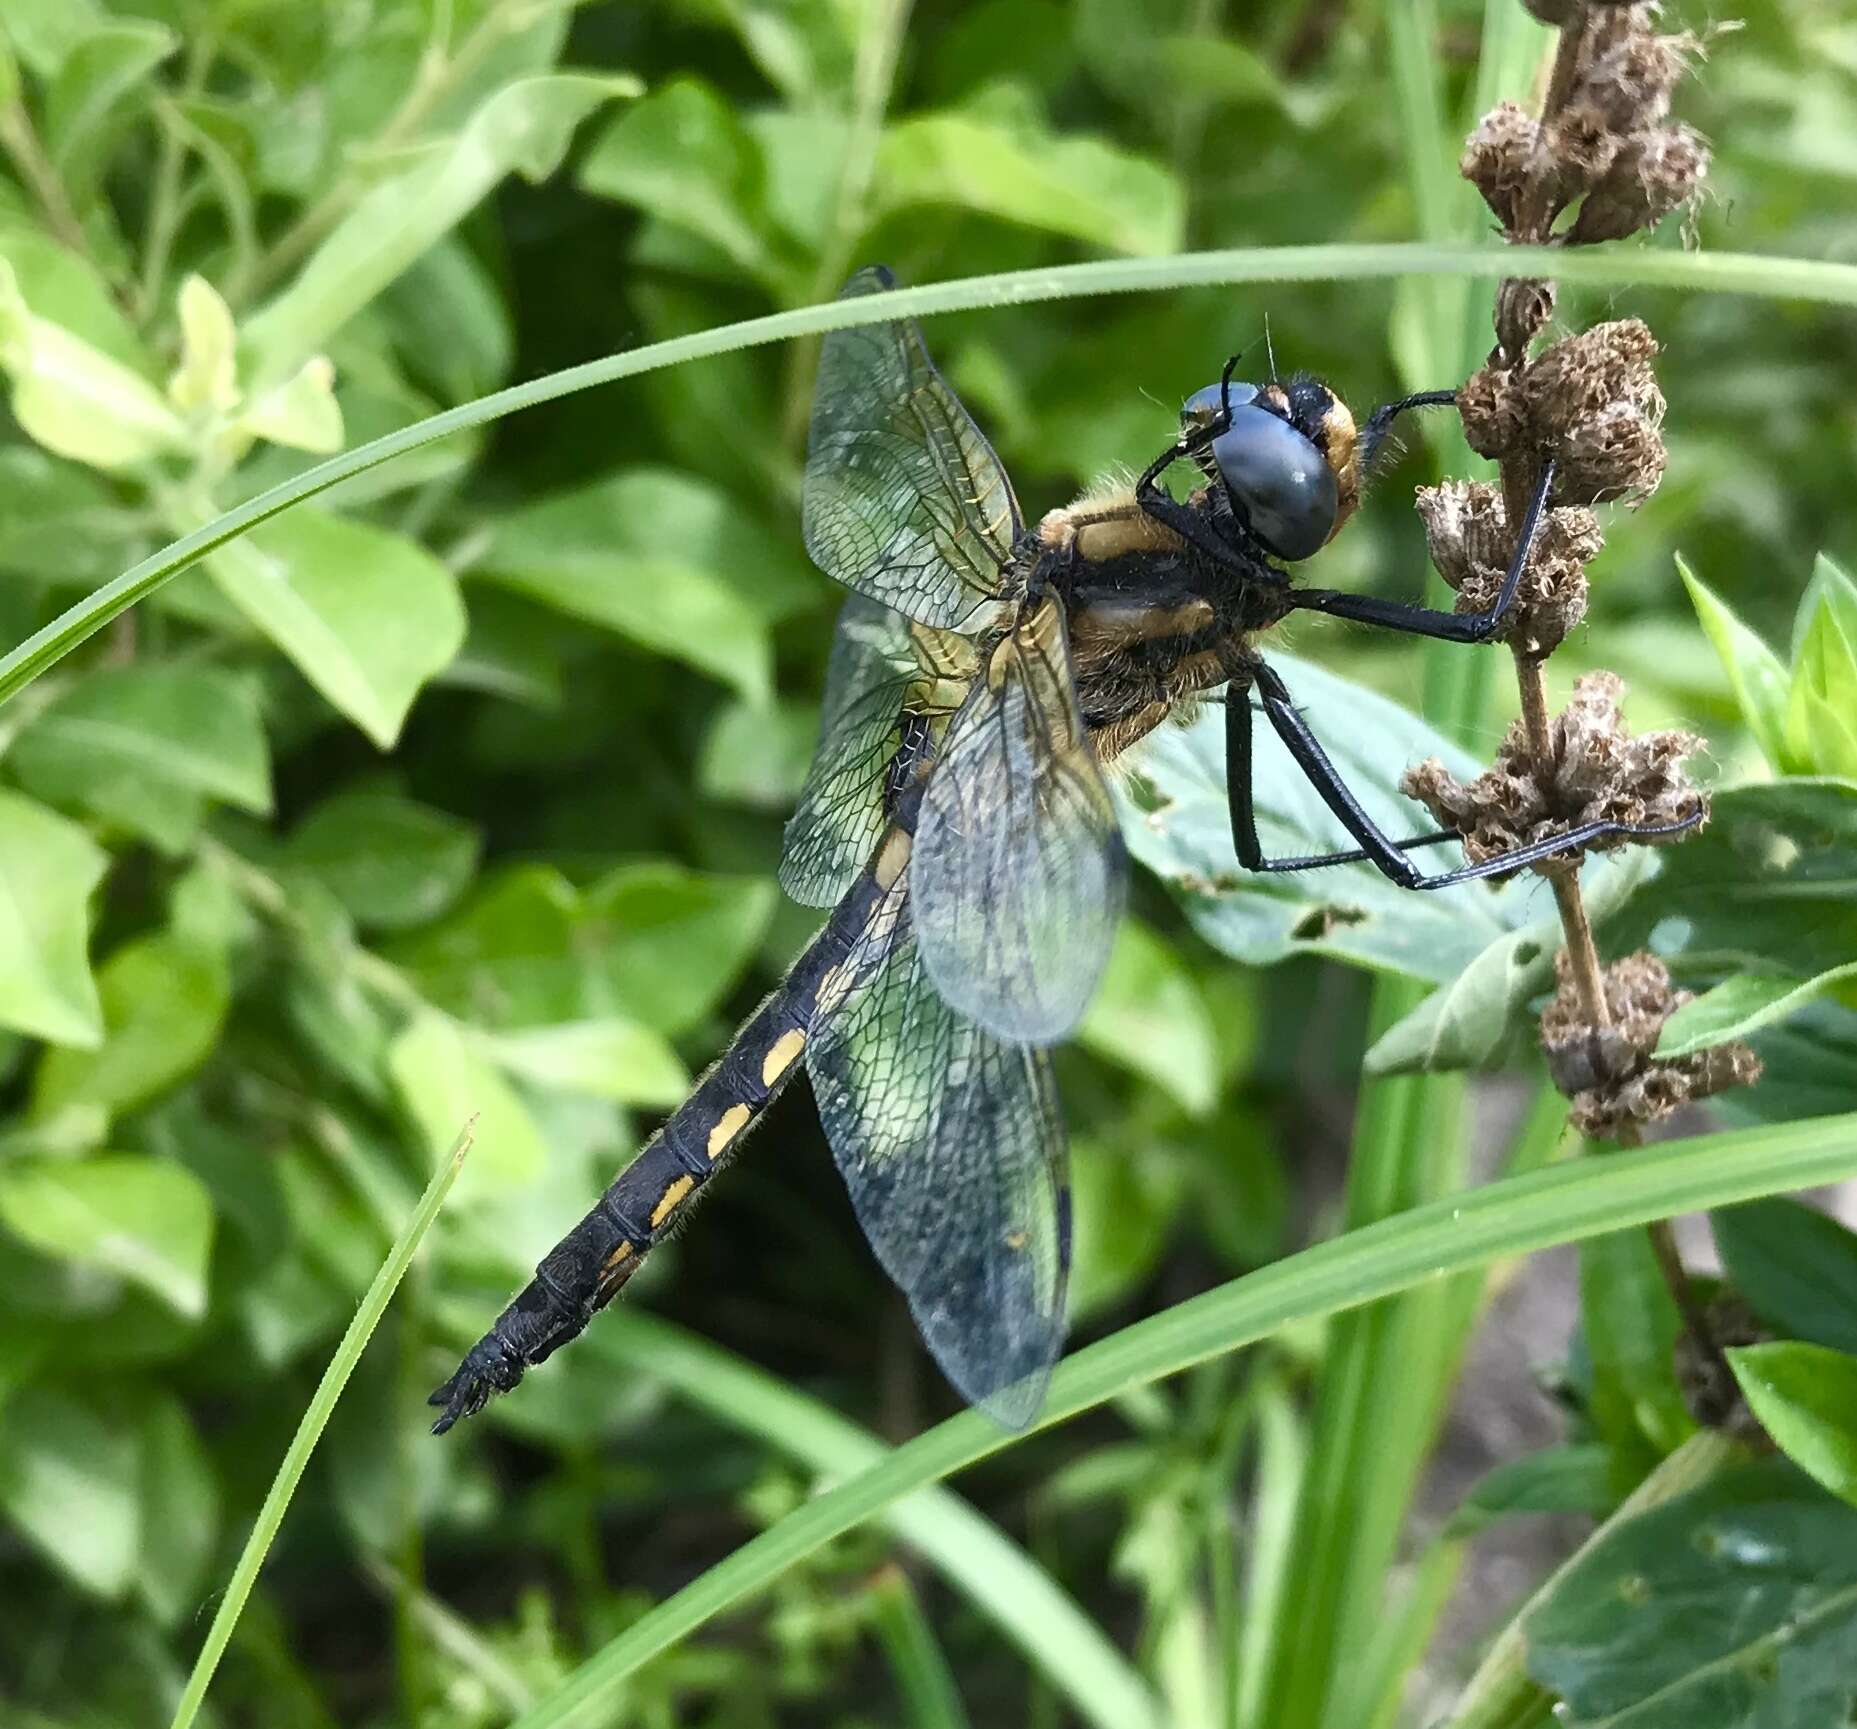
(1597, 772)
(1609, 143)
(1467, 529)
(1616, 1085)
(1590, 401)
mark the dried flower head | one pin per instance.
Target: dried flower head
(1614, 1082)
(1598, 772)
(1651, 177)
(1468, 531)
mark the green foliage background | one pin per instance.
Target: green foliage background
(460, 791)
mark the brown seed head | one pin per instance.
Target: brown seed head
(1608, 1072)
(1652, 176)
(1593, 403)
(1501, 158)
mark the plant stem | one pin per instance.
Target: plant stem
(27, 154)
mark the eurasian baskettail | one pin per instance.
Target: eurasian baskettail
(957, 821)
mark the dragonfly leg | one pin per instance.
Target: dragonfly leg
(1375, 849)
(1428, 621)
(1380, 422)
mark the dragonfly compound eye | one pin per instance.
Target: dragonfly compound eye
(1199, 409)
(1283, 482)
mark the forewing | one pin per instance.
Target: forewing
(1018, 871)
(840, 812)
(952, 1148)
(904, 500)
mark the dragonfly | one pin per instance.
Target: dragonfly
(956, 818)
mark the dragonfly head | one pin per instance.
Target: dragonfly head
(1287, 453)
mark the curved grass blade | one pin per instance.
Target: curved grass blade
(1516, 1216)
(1721, 272)
(309, 1431)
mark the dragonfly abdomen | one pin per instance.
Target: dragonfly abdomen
(584, 1271)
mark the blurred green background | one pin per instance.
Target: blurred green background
(462, 788)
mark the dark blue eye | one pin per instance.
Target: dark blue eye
(1284, 483)
(1202, 405)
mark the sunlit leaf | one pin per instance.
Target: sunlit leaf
(47, 869)
(1742, 1005)
(71, 1482)
(444, 1082)
(1806, 1398)
(610, 1059)
(1759, 678)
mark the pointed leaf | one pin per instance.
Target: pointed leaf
(391, 862)
(443, 1082)
(1806, 1398)
(1743, 1005)
(47, 869)
(608, 1059)
(70, 1480)
(1756, 674)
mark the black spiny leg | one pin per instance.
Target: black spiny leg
(1380, 422)
(1425, 620)
(1375, 848)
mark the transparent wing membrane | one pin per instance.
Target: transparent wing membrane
(1017, 876)
(952, 1147)
(904, 500)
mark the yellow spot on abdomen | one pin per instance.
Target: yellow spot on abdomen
(613, 1261)
(667, 1202)
(781, 1055)
(728, 1126)
(891, 857)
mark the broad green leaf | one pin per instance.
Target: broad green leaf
(1742, 1005)
(806, 51)
(1176, 817)
(1631, 1327)
(148, 1220)
(1079, 187)
(1566, 1479)
(1806, 1398)
(61, 524)
(1148, 1015)
(147, 746)
(651, 942)
(524, 128)
(1756, 674)
(391, 862)
(99, 86)
(69, 291)
(367, 615)
(681, 154)
(443, 1083)
(71, 1482)
(1796, 1266)
(757, 755)
(1733, 1606)
(664, 559)
(45, 31)
(180, 1514)
(47, 869)
(1821, 716)
(449, 322)
(608, 1059)
(74, 399)
(207, 377)
(164, 1002)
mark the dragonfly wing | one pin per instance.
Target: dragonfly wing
(952, 1147)
(904, 500)
(1018, 872)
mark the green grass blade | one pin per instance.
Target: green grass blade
(930, 1698)
(1721, 272)
(998, 1577)
(1519, 1215)
(309, 1431)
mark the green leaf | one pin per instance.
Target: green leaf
(207, 377)
(1796, 1266)
(524, 128)
(663, 559)
(74, 399)
(1176, 816)
(1148, 1015)
(180, 1514)
(100, 85)
(301, 413)
(757, 756)
(682, 155)
(1002, 167)
(47, 869)
(367, 615)
(1567, 1479)
(607, 1059)
(1631, 1327)
(391, 862)
(1756, 674)
(148, 1220)
(1806, 1398)
(1821, 717)
(443, 1082)
(164, 1002)
(147, 746)
(70, 1481)
(1734, 1606)
(1742, 1005)
(61, 523)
